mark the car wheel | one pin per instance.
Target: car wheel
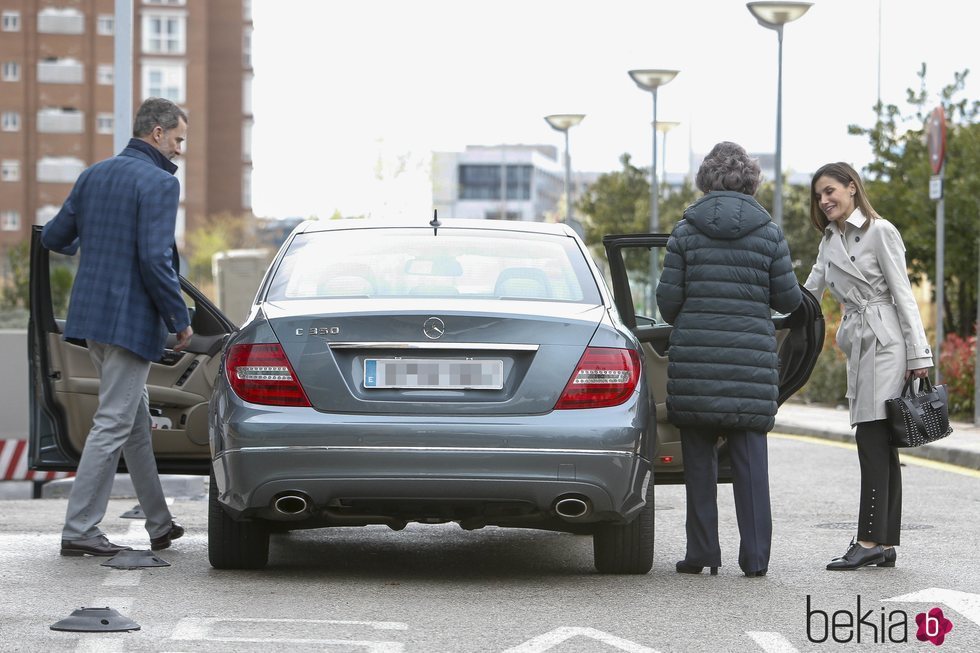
(626, 548)
(234, 544)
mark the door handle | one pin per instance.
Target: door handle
(170, 357)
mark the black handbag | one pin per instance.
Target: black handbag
(917, 418)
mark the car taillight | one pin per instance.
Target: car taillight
(261, 374)
(603, 377)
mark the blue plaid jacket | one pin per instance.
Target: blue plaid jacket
(122, 212)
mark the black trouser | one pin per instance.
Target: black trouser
(880, 516)
(750, 467)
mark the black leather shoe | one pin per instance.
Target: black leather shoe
(890, 556)
(176, 531)
(92, 546)
(756, 574)
(858, 556)
(683, 567)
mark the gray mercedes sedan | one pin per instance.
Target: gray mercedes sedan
(477, 372)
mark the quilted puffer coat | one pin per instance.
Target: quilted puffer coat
(727, 264)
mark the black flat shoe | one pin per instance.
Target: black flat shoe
(162, 542)
(685, 568)
(858, 556)
(92, 546)
(890, 556)
(756, 574)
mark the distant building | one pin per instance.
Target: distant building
(510, 182)
(56, 100)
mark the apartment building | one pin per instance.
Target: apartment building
(56, 100)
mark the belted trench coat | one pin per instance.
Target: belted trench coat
(881, 332)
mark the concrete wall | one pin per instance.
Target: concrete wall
(13, 383)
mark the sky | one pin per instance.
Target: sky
(350, 98)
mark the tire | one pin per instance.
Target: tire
(626, 548)
(234, 544)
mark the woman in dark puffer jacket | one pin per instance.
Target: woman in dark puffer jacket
(727, 265)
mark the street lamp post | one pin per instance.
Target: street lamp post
(651, 80)
(664, 126)
(773, 15)
(563, 122)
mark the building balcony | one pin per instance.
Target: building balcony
(60, 121)
(59, 170)
(60, 21)
(60, 71)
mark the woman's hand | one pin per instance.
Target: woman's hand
(920, 373)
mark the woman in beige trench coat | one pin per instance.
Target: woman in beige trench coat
(861, 261)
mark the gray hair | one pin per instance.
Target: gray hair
(728, 167)
(157, 111)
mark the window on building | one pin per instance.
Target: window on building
(104, 123)
(166, 80)
(10, 121)
(9, 170)
(247, 140)
(164, 33)
(247, 188)
(11, 71)
(519, 182)
(246, 10)
(247, 47)
(482, 182)
(10, 22)
(247, 94)
(479, 182)
(105, 24)
(169, 3)
(9, 221)
(103, 74)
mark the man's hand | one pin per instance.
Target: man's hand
(184, 338)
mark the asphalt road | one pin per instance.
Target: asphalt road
(439, 588)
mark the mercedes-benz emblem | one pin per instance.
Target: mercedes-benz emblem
(434, 328)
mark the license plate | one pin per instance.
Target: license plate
(425, 373)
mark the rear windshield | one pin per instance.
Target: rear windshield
(456, 263)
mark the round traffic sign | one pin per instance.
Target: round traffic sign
(936, 138)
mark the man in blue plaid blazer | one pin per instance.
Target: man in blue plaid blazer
(126, 297)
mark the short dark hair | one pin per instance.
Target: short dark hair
(157, 111)
(845, 174)
(729, 167)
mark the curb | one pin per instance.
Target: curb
(174, 486)
(937, 451)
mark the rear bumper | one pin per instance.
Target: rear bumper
(613, 483)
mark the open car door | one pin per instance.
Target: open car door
(799, 339)
(64, 387)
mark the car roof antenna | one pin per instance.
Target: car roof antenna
(434, 222)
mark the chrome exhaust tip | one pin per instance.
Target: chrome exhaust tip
(572, 507)
(291, 504)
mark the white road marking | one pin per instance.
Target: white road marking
(200, 629)
(121, 604)
(553, 638)
(965, 603)
(116, 578)
(772, 642)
